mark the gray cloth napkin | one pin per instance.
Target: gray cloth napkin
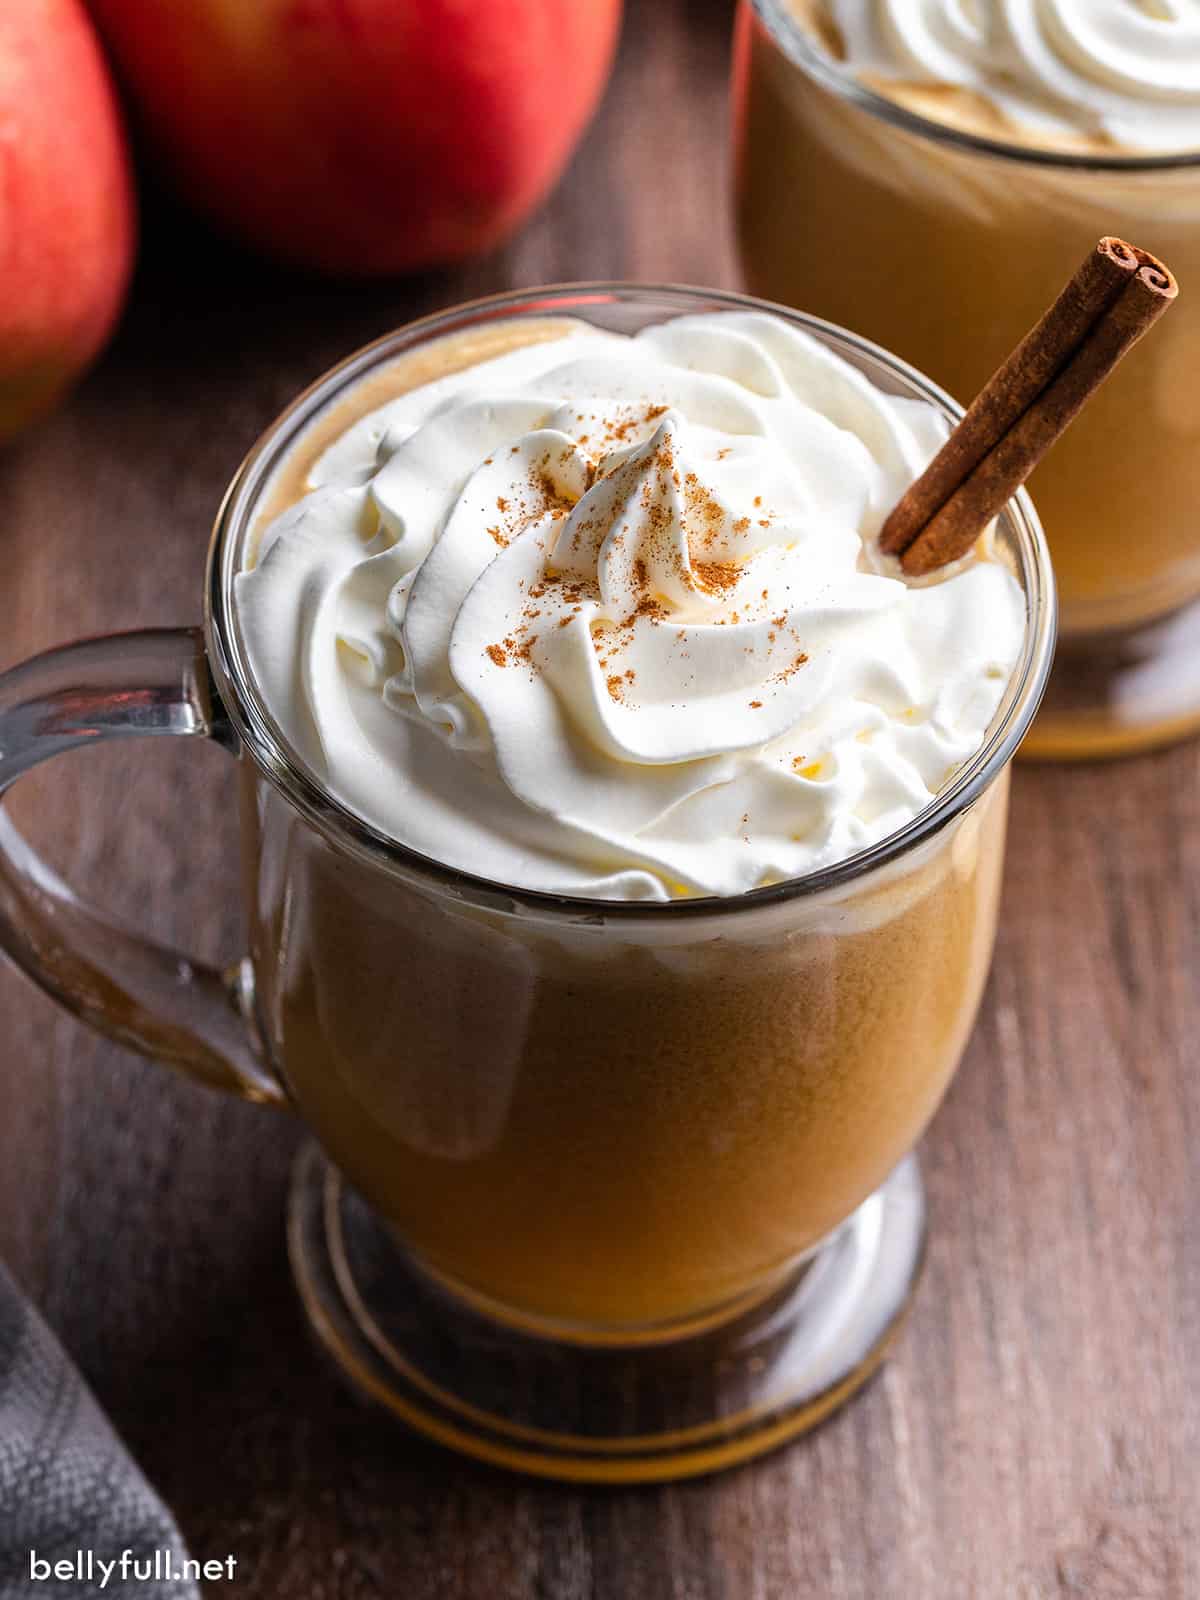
(69, 1490)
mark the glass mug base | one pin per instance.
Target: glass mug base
(670, 1402)
(1121, 692)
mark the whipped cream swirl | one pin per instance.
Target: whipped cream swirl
(1122, 72)
(592, 616)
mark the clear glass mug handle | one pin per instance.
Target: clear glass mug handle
(150, 684)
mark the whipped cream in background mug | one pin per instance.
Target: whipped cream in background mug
(595, 616)
(1122, 72)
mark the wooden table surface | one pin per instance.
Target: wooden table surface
(1036, 1433)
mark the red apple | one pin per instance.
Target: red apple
(364, 136)
(67, 212)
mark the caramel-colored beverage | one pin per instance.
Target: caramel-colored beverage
(935, 232)
(621, 846)
(622, 1118)
(591, 1124)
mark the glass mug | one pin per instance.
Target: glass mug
(947, 248)
(602, 1190)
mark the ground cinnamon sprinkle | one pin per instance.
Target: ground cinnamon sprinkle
(618, 432)
(785, 673)
(717, 576)
(680, 519)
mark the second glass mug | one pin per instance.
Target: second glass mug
(946, 247)
(632, 1195)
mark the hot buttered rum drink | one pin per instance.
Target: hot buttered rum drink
(929, 175)
(601, 616)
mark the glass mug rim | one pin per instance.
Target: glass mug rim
(793, 40)
(259, 734)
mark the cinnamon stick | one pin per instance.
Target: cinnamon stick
(1118, 292)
